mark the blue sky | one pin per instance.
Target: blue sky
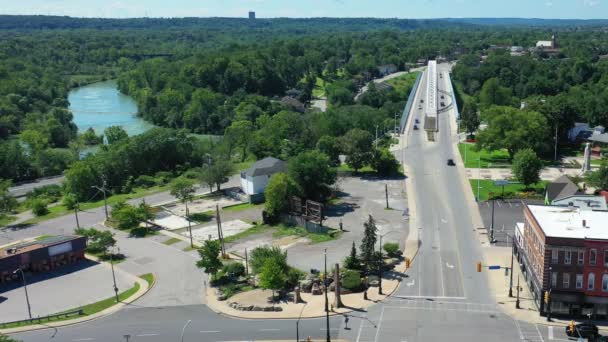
(579, 9)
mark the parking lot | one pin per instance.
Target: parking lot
(506, 214)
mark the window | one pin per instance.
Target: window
(579, 281)
(554, 254)
(553, 279)
(606, 257)
(590, 281)
(605, 282)
(581, 257)
(566, 280)
(592, 256)
(568, 257)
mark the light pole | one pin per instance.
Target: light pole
(512, 253)
(184, 330)
(479, 175)
(105, 199)
(298, 323)
(517, 301)
(328, 337)
(27, 298)
(396, 131)
(113, 274)
(492, 222)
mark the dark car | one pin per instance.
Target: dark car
(421, 100)
(583, 330)
(415, 127)
(417, 121)
(442, 97)
(442, 104)
(451, 162)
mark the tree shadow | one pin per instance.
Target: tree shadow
(340, 209)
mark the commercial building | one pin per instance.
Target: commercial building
(41, 255)
(564, 250)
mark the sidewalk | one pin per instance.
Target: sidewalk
(550, 173)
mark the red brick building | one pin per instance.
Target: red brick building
(565, 251)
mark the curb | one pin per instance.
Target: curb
(112, 309)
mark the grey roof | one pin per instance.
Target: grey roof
(266, 166)
(584, 202)
(601, 138)
(560, 188)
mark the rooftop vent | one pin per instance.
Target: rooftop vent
(584, 223)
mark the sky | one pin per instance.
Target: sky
(564, 9)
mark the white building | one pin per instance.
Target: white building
(255, 179)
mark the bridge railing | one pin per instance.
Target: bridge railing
(454, 103)
(410, 102)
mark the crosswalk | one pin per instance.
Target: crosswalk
(529, 332)
(440, 305)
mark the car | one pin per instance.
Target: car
(419, 107)
(421, 100)
(451, 162)
(583, 330)
(417, 121)
(415, 127)
(442, 104)
(442, 97)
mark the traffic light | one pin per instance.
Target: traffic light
(546, 297)
(479, 266)
(408, 262)
(571, 326)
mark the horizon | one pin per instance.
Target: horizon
(268, 9)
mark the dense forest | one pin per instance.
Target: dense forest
(227, 76)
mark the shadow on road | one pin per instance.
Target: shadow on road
(37, 277)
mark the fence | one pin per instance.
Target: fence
(454, 103)
(301, 221)
(44, 319)
(410, 102)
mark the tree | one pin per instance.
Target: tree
(126, 216)
(115, 134)
(385, 163)
(39, 207)
(526, 167)
(217, 173)
(90, 138)
(7, 201)
(183, 189)
(272, 276)
(352, 261)
(357, 144)
(260, 255)
(278, 192)
(492, 93)
(313, 174)
(331, 147)
(469, 116)
(513, 130)
(599, 178)
(240, 133)
(391, 249)
(209, 253)
(368, 243)
(98, 242)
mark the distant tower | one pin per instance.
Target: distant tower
(553, 42)
(251, 15)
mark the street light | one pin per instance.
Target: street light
(105, 201)
(328, 338)
(27, 298)
(184, 330)
(298, 323)
(113, 274)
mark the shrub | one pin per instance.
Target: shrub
(51, 193)
(351, 280)
(392, 249)
(39, 207)
(260, 254)
(234, 270)
(164, 177)
(145, 181)
(294, 276)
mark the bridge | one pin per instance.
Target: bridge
(430, 112)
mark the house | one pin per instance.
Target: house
(387, 69)
(294, 103)
(579, 131)
(565, 252)
(40, 255)
(583, 202)
(255, 179)
(560, 188)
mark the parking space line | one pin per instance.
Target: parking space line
(209, 331)
(146, 335)
(379, 324)
(550, 333)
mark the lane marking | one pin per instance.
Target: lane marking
(209, 331)
(379, 324)
(447, 264)
(270, 330)
(539, 334)
(430, 297)
(411, 283)
(444, 220)
(145, 335)
(360, 329)
(550, 334)
(84, 339)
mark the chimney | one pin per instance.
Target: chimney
(584, 223)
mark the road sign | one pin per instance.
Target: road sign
(494, 267)
(501, 182)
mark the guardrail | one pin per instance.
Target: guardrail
(45, 319)
(408, 105)
(454, 103)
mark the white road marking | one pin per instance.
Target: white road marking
(550, 332)
(411, 283)
(145, 335)
(444, 220)
(430, 297)
(270, 329)
(209, 331)
(360, 329)
(448, 265)
(379, 324)
(84, 339)
(539, 334)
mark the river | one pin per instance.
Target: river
(100, 105)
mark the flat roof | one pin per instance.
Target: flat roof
(24, 247)
(568, 222)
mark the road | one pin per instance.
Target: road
(22, 189)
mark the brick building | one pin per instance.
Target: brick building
(564, 250)
(41, 255)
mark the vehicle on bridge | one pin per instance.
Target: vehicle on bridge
(415, 127)
(451, 162)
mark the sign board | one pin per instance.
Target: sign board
(501, 182)
(494, 267)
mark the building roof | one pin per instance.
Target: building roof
(544, 43)
(560, 188)
(601, 138)
(584, 202)
(23, 247)
(266, 166)
(568, 222)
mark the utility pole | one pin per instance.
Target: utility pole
(105, 199)
(492, 222)
(220, 234)
(189, 224)
(478, 180)
(114, 275)
(380, 262)
(328, 337)
(76, 207)
(386, 195)
(246, 263)
(27, 297)
(517, 301)
(511, 280)
(555, 150)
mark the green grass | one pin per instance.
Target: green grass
(189, 249)
(60, 210)
(42, 237)
(511, 191)
(319, 90)
(243, 165)
(488, 158)
(404, 83)
(205, 216)
(148, 277)
(283, 230)
(258, 229)
(232, 289)
(241, 207)
(598, 161)
(5, 220)
(116, 258)
(88, 310)
(347, 168)
(171, 241)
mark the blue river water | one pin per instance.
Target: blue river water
(100, 105)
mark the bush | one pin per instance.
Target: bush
(392, 249)
(164, 177)
(294, 276)
(260, 254)
(384, 163)
(234, 270)
(351, 280)
(51, 193)
(220, 278)
(145, 181)
(39, 207)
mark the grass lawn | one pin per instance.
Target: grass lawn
(42, 237)
(88, 310)
(205, 216)
(243, 166)
(347, 168)
(171, 241)
(5, 220)
(511, 191)
(148, 277)
(189, 248)
(230, 290)
(319, 90)
(488, 158)
(257, 229)
(404, 83)
(598, 161)
(241, 207)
